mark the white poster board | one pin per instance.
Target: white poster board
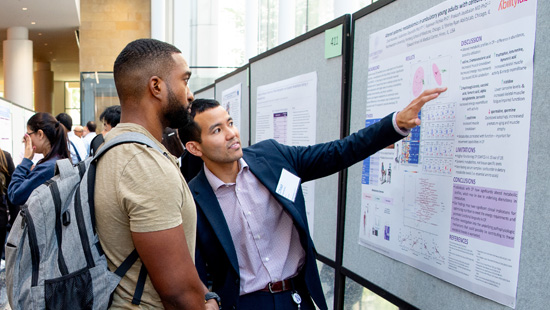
(286, 111)
(449, 198)
(5, 127)
(231, 102)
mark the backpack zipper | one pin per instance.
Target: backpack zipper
(33, 244)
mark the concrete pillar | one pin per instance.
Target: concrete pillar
(287, 21)
(18, 67)
(251, 28)
(43, 87)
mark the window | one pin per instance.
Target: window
(72, 101)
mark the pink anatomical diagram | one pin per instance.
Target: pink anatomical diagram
(418, 81)
(437, 74)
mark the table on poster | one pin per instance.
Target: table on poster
(449, 198)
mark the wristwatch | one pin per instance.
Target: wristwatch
(212, 295)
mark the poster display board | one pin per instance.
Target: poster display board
(232, 102)
(233, 89)
(5, 126)
(271, 76)
(286, 112)
(449, 198)
(207, 92)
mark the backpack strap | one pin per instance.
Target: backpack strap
(75, 151)
(136, 300)
(140, 285)
(129, 137)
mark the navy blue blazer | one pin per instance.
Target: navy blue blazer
(215, 252)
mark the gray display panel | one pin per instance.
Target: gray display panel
(408, 283)
(300, 56)
(208, 92)
(228, 81)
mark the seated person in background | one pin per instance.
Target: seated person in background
(110, 118)
(76, 145)
(44, 135)
(252, 234)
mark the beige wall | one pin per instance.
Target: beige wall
(106, 26)
(58, 105)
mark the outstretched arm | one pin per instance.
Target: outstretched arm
(408, 117)
(323, 159)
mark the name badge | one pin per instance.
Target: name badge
(288, 185)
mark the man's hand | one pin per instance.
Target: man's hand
(212, 305)
(408, 117)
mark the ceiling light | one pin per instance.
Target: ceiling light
(33, 23)
(24, 9)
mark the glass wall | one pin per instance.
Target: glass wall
(225, 23)
(72, 101)
(98, 92)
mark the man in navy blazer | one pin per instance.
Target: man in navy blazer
(253, 241)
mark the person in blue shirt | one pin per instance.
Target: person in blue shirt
(45, 135)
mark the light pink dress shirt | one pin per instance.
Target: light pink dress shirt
(266, 241)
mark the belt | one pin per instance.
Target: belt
(277, 287)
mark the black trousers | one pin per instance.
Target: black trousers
(276, 301)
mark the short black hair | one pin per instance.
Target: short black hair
(66, 120)
(91, 126)
(111, 115)
(192, 132)
(137, 62)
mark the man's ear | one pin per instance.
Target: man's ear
(155, 86)
(194, 148)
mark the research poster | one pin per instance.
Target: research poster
(231, 102)
(287, 112)
(449, 198)
(5, 127)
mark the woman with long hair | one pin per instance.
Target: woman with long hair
(6, 170)
(45, 135)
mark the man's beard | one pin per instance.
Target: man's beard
(176, 114)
